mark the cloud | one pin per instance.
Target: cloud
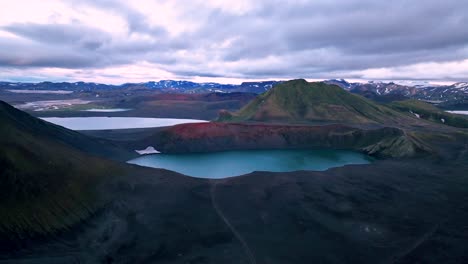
(29, 54)
(451, 71)
(59, 34)
(247, 39)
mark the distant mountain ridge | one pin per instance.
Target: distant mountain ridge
(449, 96)
(445, 95)
(174, 86)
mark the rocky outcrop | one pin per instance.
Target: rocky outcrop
(397, 147)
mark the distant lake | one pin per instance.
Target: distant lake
(234, 163)
(459, 112)
(107, 110)
(25, 91)
(101, 123)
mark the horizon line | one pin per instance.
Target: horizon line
(350, 80)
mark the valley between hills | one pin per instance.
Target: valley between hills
(69, 197)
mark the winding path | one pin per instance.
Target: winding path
(239, 237)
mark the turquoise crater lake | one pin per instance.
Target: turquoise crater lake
(218, 165)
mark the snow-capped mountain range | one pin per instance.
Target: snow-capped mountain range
(163, 86)
(444, 94)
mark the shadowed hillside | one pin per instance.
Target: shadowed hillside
(13, 119)
(48, 178)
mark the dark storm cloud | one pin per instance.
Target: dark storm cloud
(74, 46)
(57, 34)
(272, 39)
(27, 54)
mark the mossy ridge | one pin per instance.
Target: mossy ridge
(298, 101)
(429, 112)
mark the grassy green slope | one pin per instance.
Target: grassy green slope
(46, 183)
(429, 112)
(300, 101)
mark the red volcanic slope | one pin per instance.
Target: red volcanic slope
(215, 129)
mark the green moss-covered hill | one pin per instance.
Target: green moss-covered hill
(298, 101)
(301, 101)
(48, 175)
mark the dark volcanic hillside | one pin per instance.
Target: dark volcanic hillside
(17, 123)
(48, 174)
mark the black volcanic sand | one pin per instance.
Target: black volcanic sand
(412, 211)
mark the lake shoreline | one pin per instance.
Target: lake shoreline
(107, 123)
(226, 164)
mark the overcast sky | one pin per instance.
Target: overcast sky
(114, 41)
